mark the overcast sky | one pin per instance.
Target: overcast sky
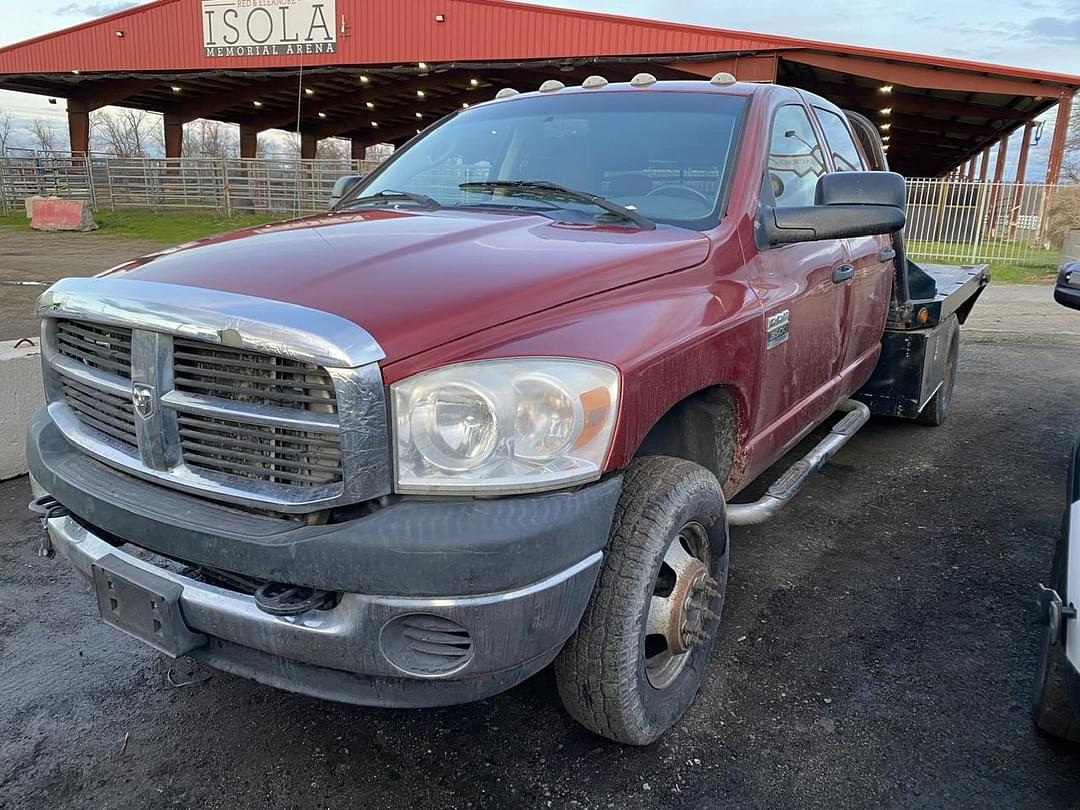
(1027, 33)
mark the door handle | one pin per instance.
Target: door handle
(886, 254)
(842, 273)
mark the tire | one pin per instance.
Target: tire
(606, 683)
(1052, 708)
(935, 411)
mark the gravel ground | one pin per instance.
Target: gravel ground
(877, 651)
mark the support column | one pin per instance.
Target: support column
(999, 176)
(249, 142)
(359, 149)
(1057, 146)
(969, 174)
(1021, 175)
(984, 164)
(78, 125)
(309, 144)
(174, 135)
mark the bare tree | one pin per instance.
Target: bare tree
(43, 134)
(125, 133)
(1072, 149)
(210, 139)
(6, 127)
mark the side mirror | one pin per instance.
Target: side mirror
(342, 187)
(847, 204)
(1067, 291)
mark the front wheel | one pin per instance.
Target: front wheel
(636, 662)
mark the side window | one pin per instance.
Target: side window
(795, 158)
(845, 154)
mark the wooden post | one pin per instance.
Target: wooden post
(78, 126)
(1057, 146)
(249, 142)
(1021, 174)
(999, 176)
(984, 164)
(174, 135)
(309, 145)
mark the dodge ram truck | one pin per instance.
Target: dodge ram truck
(495, 408)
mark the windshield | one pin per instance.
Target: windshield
(664, 155)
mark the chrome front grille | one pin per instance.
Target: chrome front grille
(242, 376)
(290, 415)
(101, 411)
(260, 452)
(104, 348)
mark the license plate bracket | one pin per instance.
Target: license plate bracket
(143, 605)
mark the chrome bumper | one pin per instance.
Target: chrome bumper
(508, 630)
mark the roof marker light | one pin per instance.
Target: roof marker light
(551, 85)
(594, 82)
(506, 92)
(722, 79)
(643, 80)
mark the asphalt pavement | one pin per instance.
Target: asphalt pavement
(877, 650)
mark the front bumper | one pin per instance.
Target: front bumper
(517, 607)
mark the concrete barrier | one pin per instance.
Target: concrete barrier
(20, 396)
(52, 214)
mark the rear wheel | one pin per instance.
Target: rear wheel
(937, 408)
(637, 659)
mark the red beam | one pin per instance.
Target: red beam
(1057, 146)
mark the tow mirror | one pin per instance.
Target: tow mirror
(343, 186)
(1067, 291)
(847, 204)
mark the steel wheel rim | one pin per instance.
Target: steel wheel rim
(678, 606)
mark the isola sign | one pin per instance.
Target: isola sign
(268, 27)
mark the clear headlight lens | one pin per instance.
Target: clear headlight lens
(503, 426)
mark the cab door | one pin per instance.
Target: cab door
(869, 288)
(803, 301)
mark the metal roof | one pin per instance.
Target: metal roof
(953, 107)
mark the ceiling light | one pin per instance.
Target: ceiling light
(440, 18)
(886, 110)
(375, 123)
(75, 72)
(119, 34)
(885, 127)
(177, 88)
(465, 106)
(419, 115)
(474, 82)
(365, 79)
(885, 137)
(885, 88)
(322, 115)
(421, 94)
(309, 91)
(257, 103)
(422, 65)
(370, 105)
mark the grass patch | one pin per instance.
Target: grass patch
(1034, 265)
(170, 227)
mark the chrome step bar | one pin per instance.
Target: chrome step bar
(788, 485)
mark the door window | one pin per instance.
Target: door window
(845, 154)
(795, 158)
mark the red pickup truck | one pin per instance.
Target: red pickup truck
(493, 409)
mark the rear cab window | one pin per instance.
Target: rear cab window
(845, 154)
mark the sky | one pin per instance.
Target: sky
(1041, 34)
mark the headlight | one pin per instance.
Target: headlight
(503, 426)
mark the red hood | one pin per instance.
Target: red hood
(417, 280)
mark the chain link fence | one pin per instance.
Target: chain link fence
(954, 221)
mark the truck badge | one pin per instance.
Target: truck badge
(142, 397)
(777, 329)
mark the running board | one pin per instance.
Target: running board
(788, 485)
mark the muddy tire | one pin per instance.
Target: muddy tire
(636, 662)
(935, 411)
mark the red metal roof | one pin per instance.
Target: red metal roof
(166, 35)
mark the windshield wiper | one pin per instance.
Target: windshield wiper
(390, 195)
(544, 190)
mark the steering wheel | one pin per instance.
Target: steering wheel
(683, 191)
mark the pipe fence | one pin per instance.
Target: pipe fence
(949, 220)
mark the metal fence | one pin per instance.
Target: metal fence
(232, 186)
(948, 220)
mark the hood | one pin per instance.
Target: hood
(417, 280)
